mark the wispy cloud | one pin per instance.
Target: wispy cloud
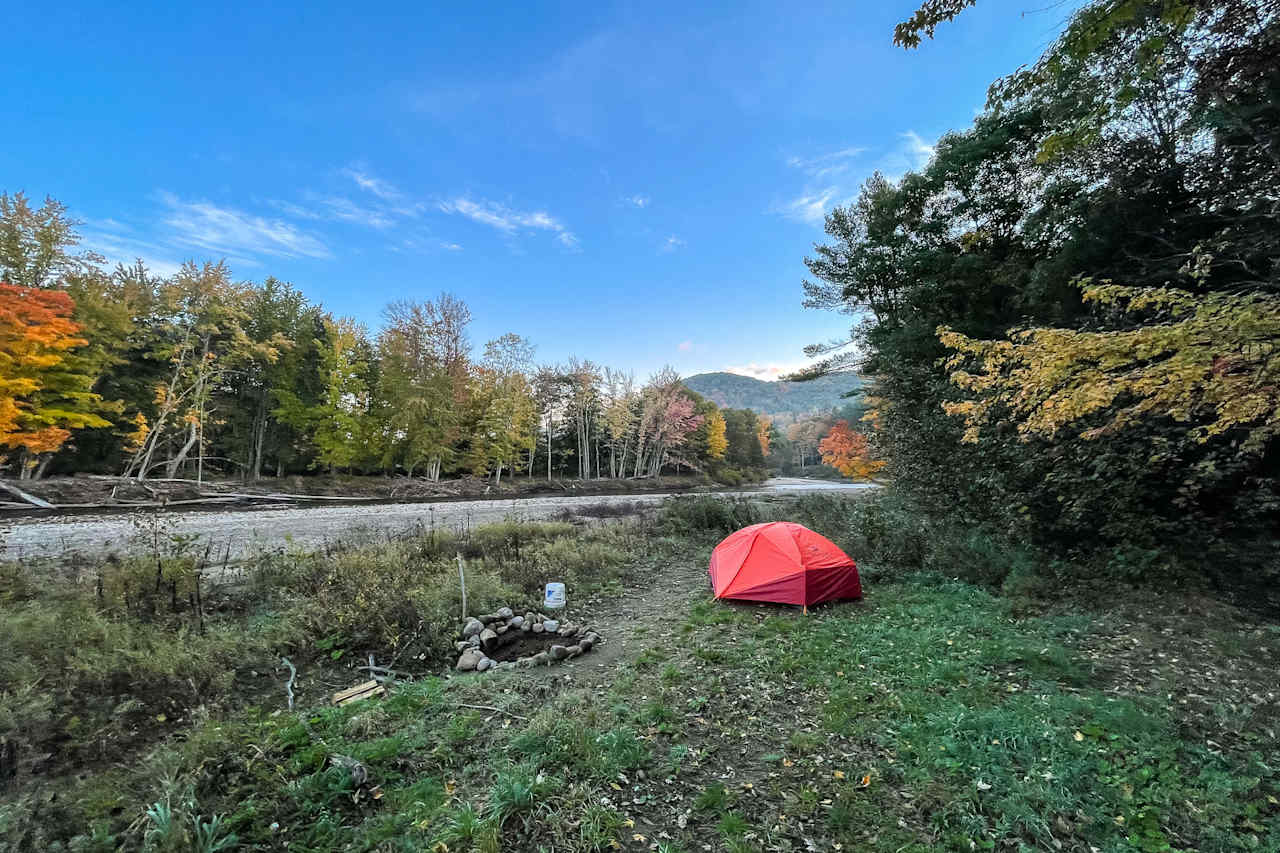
(509, 221)
(452, 247)
(809, 207)
(825, 184)
(831, 179)
(671, 244)
(120, 244)
(371, 184)
(919, 150)
(225, 230)
(336, 209)
(826, 165)
(640, 201)
(911, 154)
(685, 346)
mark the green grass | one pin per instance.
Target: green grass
(934, 715)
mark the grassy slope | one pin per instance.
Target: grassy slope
(933, 715)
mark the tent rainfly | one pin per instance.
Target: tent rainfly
(784, 563)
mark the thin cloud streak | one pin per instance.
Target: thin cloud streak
(225, 230)
(831, 179)
(509, 221)
(367, 182)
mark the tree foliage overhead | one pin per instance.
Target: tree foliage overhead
(1071, 311)
(926, 19)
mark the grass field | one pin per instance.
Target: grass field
(934, 714)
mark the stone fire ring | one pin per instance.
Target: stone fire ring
(505, 640)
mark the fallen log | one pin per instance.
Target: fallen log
(31, 499)
(241, 496)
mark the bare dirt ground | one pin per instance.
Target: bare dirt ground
(240, 533)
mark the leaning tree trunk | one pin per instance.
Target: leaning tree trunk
(172, 466)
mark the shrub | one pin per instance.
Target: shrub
(708, 513)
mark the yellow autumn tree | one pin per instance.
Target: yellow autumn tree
(1209, 363)
(717, 435)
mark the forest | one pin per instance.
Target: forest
(198, 374)
(1072, 312)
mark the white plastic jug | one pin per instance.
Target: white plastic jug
(554, 597)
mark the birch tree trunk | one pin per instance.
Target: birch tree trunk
(172, 466)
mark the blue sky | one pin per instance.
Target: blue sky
(633, 183)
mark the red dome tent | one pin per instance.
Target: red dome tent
(782, 562)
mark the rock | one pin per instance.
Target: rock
(484, 664)
(582, 629)
(592, 636)
(469, 659)
(504, 613)
(540, 658)
(585, 644)
(537, 628)
(501, 629)
(558, 652)
(472, 627)
(488, 638)
(461, 646)
(567, 630)
(550, 626)
(574, 651)
(473, 641)
(524, 663)
(529, 618)
(516, 621)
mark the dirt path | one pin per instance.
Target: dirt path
(244, 532)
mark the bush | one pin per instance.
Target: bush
(708, 513)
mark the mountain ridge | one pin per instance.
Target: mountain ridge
(734, 391)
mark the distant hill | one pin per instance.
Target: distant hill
(731, 391)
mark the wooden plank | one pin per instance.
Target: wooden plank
(361, 691)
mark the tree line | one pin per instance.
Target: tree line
(1072, 313)
(197, 373)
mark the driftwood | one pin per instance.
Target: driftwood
(21, 495)
(384, 674)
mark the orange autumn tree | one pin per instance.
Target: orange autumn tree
(41, 398)
(762, 433)
(849, 452)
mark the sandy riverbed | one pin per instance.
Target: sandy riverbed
(242, 532)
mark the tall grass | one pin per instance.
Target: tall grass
(105, 664)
